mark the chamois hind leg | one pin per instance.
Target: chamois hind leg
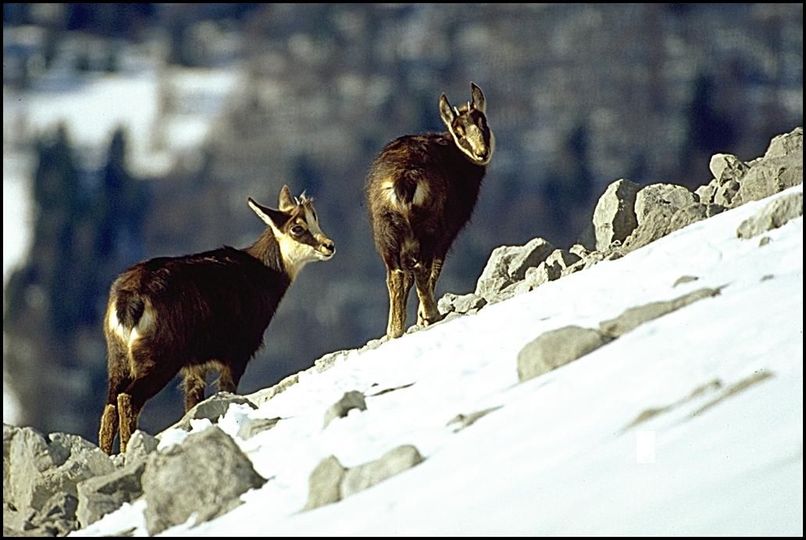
(119, 379)
(436, 269)
(150, 378)
(427, 312)
(231, 373)
(194, 381)
(399, 284)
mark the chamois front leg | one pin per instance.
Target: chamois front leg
(193, 385)
(109, 427)
(399, 284)
(427, 312)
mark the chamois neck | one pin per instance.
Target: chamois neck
(266, 249)
(460, 157)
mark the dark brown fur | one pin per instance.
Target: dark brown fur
(192, 313)
(412, 232)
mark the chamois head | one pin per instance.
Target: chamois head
(468, 126)
(296, 228)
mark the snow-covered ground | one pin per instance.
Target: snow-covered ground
(558, 455)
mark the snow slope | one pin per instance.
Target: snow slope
(559, 454)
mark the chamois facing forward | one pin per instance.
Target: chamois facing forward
(199, 312)
(421, 191)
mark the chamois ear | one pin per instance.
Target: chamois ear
(446, 111)
(286, 201)
(478, 102)
(269, 216)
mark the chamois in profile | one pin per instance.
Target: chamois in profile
(199, 312)
(421, 191)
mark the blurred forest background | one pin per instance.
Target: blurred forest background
(132, 131)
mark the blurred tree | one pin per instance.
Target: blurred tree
(710, 131)
(568, 189)
(88, 226)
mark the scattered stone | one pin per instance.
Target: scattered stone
(508, 265)
(39, 468)
(786, 144)
(205, 475)
(579, 250)
(394, 388)
(764, 241)
(775, 214)
(390, 464)
(692, 214)
(727, 194)
(557, 348)
(212, 408)
(684, 279)
(655, 205)
(252, 426)
(104, 494)
(705, 193)
(727, 166)
(140, 445)
(467, 303)
(461, 421)
(614, 216)
(636, 316)
(349, 401)
(57, 517)
(324, 483)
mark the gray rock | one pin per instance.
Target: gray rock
(655, 205)
(349, 401)
(140, 445)
(57, 516)
(212, 408)
(252, 426)
(557, 348)
(786, 144)
(775, 214)
(727, 194)
(552, 268)
(453, 303)
(771, 176)
(684, 279)
(508, 265)
(614, 216)
(705, 193)
(727, 166)
(324, 483)
(39, 468)
(636, 316)
(104, 494)
(390, 464)
(692, 214)
(661, 201)
(579, 250)
(462, 421)
(205, 475)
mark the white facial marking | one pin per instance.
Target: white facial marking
(296, 254)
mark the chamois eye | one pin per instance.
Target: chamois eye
(297, 230)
